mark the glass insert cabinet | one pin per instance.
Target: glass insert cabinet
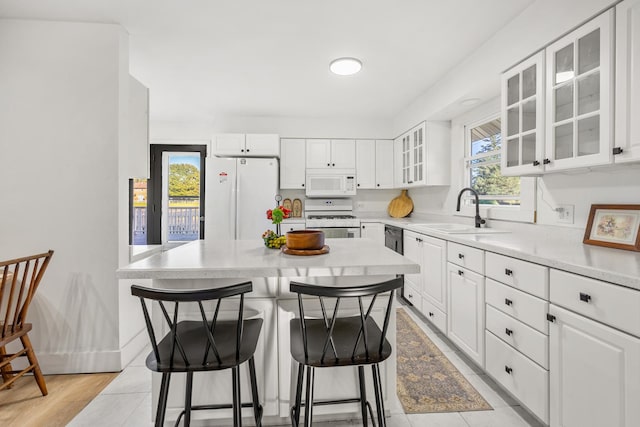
(557, 104)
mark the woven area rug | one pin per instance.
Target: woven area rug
(427, 381)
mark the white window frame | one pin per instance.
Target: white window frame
(526, 212)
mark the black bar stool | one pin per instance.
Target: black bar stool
(202, 345)
(334, 340)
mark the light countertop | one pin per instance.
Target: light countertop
(556, 247)
(204, 259)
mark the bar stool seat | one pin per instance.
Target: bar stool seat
(208, 344)
(341, 337)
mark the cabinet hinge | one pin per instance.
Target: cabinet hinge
(617, 150)
(551, 317)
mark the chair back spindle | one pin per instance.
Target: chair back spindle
(19, 280)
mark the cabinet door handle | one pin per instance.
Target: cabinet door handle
(508, 331)
(508, 272)
(333, 164)
(460, 273)
(247, 150)
(242, 150)
(303, 185)
(430, 314)
(536, 163)
(546, 161)
(358, 185)
(585, 297)
(363, 227)
(507, 369)
(507, 301)
(377, 185)
(410, 295)
(460, 256)
(328, 164)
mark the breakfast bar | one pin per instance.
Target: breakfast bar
(207, 263)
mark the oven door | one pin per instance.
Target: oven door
(339, 232)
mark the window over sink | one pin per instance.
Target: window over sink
(501, 197)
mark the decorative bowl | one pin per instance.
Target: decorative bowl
(305, 239)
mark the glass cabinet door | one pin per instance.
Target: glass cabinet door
(578, 96)
(523, 118)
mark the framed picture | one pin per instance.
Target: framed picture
(614, 226)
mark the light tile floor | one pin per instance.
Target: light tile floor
(127, 400)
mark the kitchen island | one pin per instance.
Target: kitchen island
(205, 263)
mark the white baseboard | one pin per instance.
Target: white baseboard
(89, 361)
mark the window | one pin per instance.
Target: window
(501, 197)
(483, 165)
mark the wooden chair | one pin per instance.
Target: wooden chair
(207, 344)
(341, 339)
(19, 280)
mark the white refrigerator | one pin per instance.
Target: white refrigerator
(238, 193)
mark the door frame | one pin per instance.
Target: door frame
(154, 188)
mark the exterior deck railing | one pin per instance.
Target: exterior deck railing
(183, 224)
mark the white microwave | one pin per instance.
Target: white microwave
(330, 182)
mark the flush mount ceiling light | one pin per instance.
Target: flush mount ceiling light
(345, 66)
(470, 101)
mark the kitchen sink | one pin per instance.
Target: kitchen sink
(458, 229)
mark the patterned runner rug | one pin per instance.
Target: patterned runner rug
(427, 381)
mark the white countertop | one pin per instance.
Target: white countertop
(204, 259)
(555, 247)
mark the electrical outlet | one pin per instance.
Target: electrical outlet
(565, 214)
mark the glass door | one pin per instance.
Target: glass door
(578, 96)
(523, 117)
(175, 211)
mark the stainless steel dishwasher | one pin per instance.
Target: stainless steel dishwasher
(393, 240)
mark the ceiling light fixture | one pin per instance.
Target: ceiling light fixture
(470, 101)
(345, 66)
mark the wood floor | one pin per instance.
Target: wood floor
(24, 406)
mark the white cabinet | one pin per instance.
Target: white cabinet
(627, 92)
(374, 163)
(365, 163)
(292, 225)
(523, 118)
(430, 283)
(331, 153)
(292, 163)
(465, 316)
(579, 95)
(594, 373)
(422, 155)
(138, 136)
(247, 145)
(374, 231)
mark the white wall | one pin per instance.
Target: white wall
(60, 127)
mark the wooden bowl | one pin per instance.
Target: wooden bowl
(305, 239)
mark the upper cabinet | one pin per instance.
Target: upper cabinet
(292, 163)
(422, 155)
(138, 136)
(627, 125)
(572, 80)
(579, 84)
(374, 163)
(523, 117)
(331, 153)
(246, 145)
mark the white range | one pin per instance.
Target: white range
(333, 216)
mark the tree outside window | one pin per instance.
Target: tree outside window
(484, 146)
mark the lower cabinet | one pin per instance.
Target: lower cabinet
(465, 315)
(527, 381)
(594, 373)
(374, 231)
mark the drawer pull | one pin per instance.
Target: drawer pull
(508, 370)
(460, 256)
(508, 331)
(410, 296)
(460, 273)
(585, 297)
(551, 318)
(430, 314)
(507, 301)
(508, 272)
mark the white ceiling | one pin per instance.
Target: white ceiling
(205, 58)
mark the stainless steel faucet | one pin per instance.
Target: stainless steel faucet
(479, 221)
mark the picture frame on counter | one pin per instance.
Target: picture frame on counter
(614, 226)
